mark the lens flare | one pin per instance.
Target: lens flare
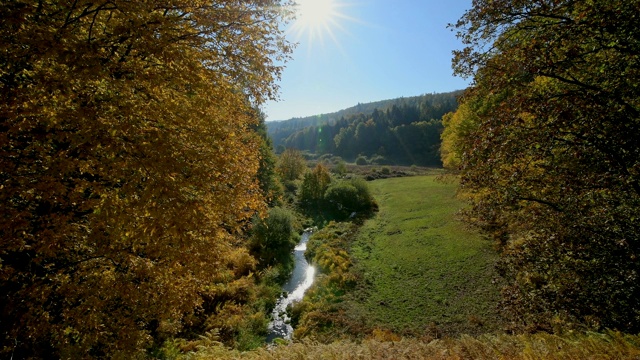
(316, 13)
(316, 19)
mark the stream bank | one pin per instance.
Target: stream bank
(301, 279)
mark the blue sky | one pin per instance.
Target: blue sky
(380, 49)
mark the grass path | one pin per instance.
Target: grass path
(424, 272)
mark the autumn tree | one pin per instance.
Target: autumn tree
(126, 167)
(314, 184)
(458, 126)
(291, 165)
(551, 162)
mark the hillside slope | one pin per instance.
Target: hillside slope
(398, 131)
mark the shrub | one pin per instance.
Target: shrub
(340, 168)
(379, 160)
(346, 197)
(341, 197)
(274, 238)
(364, 193)
(361, 160)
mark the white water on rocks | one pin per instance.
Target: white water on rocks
(301, 279)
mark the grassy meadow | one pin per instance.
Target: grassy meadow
(423, 271)
(425, 290)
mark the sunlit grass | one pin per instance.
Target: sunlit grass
(419, 253)
(425, 272)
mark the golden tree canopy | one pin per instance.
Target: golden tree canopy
(126, 167)
(291, 165)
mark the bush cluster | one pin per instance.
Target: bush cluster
(273, 239)
(343, 198)
(338, 199)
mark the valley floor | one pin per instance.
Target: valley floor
(424, 272)
(426, 289)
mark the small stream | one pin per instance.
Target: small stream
(293, 290)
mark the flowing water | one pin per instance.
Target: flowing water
(301, 279)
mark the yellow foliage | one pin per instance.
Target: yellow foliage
(383, 335)
(127, 165)
(291, 165)
(489, 347)
(457, 126)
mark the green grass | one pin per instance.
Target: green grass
(424, 272)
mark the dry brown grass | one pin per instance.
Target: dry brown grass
(611, 345)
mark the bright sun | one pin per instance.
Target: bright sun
(317, 18)
(316, 13)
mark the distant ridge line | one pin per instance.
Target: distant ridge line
(353, 110)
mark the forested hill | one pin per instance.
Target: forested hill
(398, 131)
(280, 130)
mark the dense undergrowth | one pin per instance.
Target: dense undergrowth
(610, 345)
(322, 314)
